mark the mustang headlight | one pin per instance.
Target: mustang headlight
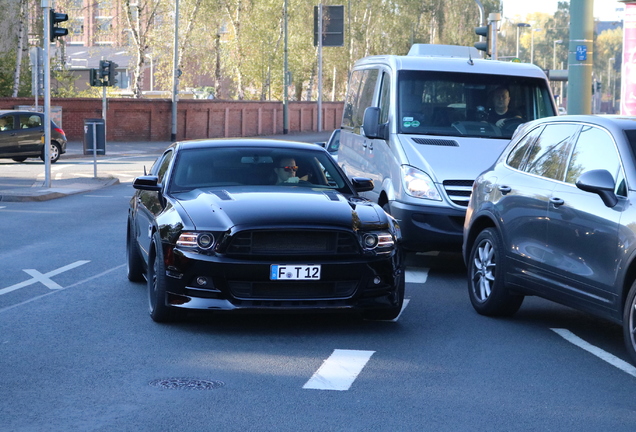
(418, 184)
(380, 242)
(201, 240)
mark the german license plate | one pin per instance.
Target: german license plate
(294, 272)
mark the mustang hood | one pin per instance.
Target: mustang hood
(222, 209)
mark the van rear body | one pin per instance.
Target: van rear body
(420, 126)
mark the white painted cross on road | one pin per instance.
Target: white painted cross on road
(45, 279)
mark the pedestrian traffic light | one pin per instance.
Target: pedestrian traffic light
(55, 18)
(486, 45)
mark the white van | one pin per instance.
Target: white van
(418, 125)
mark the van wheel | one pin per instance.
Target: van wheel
(487, 290)
(629, 322)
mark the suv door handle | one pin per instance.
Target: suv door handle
(557, 202)
(505, 189)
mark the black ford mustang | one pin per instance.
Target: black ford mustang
(237, 224)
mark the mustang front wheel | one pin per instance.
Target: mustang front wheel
(157, 307)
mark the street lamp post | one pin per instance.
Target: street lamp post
(559, 41)
(609, 81)
(532, 44)
(554, 52)
(519, 25)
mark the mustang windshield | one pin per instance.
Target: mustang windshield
(452, 104)
(254, 166)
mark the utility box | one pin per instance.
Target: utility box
(94, 136)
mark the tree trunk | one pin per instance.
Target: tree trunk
(22, 27)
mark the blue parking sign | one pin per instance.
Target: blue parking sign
(581, 52)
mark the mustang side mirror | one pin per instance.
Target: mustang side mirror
(147, 183)
(362, 184)
(601, 183)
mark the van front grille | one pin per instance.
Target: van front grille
(459, 191)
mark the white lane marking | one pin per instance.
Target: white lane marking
(65, 288)
(416, 275)
(1, 207)
(339, 371)
(43, 278)
(602, 354)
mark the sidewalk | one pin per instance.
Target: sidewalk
(24, 189)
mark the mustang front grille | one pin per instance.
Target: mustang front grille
(292, 243)
(296, 290)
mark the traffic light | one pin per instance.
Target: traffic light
(55, 18)
(486, 45)
(107, 72)
(112, 72)
(95, 81)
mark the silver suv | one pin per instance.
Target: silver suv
(555, 217)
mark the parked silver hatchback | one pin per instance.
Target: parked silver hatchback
(555, 217)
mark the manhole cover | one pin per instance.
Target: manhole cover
(186, 383)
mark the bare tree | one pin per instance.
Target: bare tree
(22, 31)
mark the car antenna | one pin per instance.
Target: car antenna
(145, 173)
(470, 58)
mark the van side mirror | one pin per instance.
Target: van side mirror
(371, 124)
(600, 182)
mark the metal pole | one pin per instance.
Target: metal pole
(518, 28)
(285, 74)
(494, 18)
(95, 148)
(320, 67)
(46, 42)
(581, 57)
(175, 73)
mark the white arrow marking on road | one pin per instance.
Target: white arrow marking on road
(43, 278)
(602, 354)
(339, 371)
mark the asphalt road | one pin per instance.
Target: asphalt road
(78, 350)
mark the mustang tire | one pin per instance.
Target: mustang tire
(486, 288)
(157, 307)
(135, 267)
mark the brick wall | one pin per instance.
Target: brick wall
(151, 119)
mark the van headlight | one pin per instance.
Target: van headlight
(418, 184)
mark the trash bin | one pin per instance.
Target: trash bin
(94, 136)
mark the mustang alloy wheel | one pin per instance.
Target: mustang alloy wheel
(486, 288)
(629, 323)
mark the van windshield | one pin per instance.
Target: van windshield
(469, 104)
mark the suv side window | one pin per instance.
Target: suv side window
(595, 149)
(551, 150)
(518, 154)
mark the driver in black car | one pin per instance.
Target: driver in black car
(499, 112)
(286, 171)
